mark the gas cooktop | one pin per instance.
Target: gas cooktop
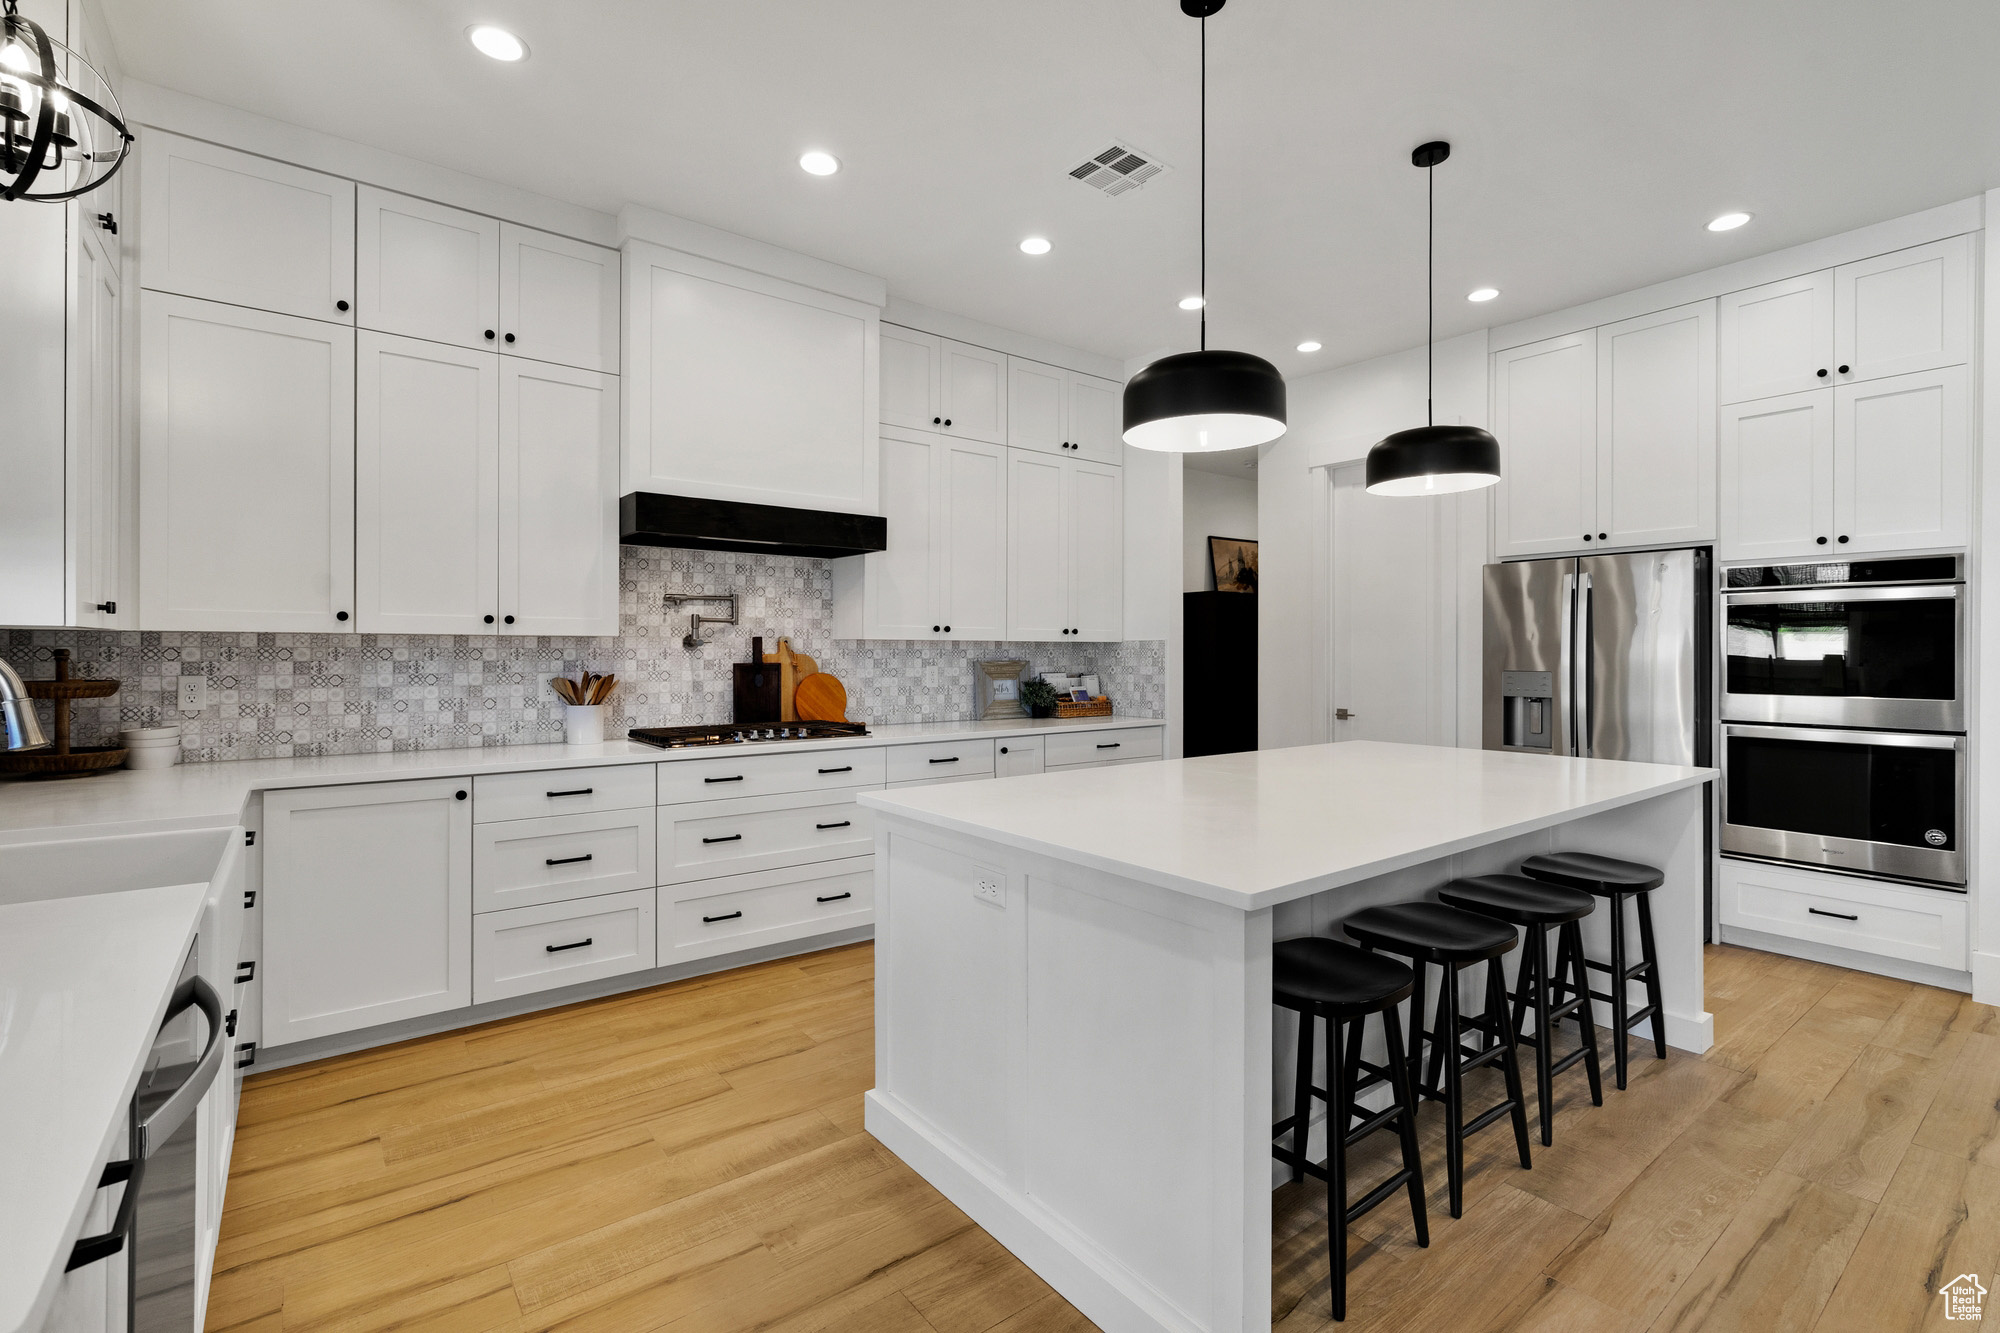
(678, 738)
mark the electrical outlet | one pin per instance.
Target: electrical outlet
(992, 889)
(194, 694)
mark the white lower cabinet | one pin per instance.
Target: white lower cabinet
(523, 862)
(1071, 749)
(759, 833)
(1019, 756)
(528, 949)
(1898, 921)
(722, 915)
(941, 759)
(368, 913)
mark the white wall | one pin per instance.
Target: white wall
(1212, 505)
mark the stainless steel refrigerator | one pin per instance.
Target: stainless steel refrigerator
(1601, 656)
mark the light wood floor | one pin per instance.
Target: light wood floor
(692, 1158)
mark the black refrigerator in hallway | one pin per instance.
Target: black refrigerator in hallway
(1219, 672)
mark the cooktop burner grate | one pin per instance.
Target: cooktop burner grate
(677, 738)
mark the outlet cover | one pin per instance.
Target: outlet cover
(194, 694)
(992, 889)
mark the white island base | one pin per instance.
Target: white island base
(1074, 1031)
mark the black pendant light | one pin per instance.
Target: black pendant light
(1431, 459)
(61, 131)
(1199, 402)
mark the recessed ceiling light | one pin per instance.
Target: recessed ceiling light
(1308, 346)
(498, 43)
(1482, 293)
(817, 163)
(1035, 245)
(1729, 222)
(1192, 303)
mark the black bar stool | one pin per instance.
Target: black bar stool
(1319, 978)
(1617, 881)
(1453, 939)
(1535, 906)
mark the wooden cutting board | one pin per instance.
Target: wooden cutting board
(792, 668)
(822, 698)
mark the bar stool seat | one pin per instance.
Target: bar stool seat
(1430, 932)
(1334, 982)
(1518, 899)
(1601, 875)
(1616, 881)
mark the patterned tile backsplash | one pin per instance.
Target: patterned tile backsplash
(277, 695)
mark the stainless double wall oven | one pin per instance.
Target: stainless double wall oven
(1843, 706)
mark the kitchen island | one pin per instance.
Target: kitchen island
(1074, 1028)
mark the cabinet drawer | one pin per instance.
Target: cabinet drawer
(1917, 925)
(521, 862)
(764, 774)
(760, 833)
(1093, 747)
(561, 791)
(1019, 756)
(941, 759)
(558, 944)
(744, 911)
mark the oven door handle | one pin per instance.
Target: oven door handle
(157, 1128)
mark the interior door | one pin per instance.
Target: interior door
(972, 539)
(558, 489)
(1394, 614)
(558, 299)
(1901, 462)
(1037, 554)
(426, 271)
(1096, 551)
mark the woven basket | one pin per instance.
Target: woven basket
(1098, 707)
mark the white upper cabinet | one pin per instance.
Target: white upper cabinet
(246, 469)
(974, 398)
(94, 489)
(558, 299)
(1061, 411)
(1903, 312)
(426, 469)
(1545, 415)
(972, 526)
(1096, 418)
(1776, 339)
(558, 500)
(1065, 548)
(1096, 551)
(1777, 477)
(227, 226)
(1902, 462)
(426, 271)
(910, 378)
(740, 386)
(1656, 428)
(33, 299)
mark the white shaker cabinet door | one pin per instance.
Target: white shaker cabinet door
(910, 378)
(1096, 419)
(1776, 457)
(426, 271)
(1902, 465)
(1903, 312)
(1656, 428)
(901, 581)
(367, 906)
(1776, 339)
(1037, 406)
(1037, 547)
(1096, 551)
(246, 469)
(1545, 413)
(975, 393)
(558, 299)
(227, 226)
(426, 444)
(94, 490)
(970, 545)
(558, 500)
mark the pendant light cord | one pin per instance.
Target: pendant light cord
(1204, 181)
(1430, 292)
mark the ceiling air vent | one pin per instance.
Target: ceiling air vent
(1117, 169)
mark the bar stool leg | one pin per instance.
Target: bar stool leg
(1496, 1004)
(1569, 961)
(1652, 962)
(1406, 1126)
(1447, 1040)
(1302, 1095)
(1447, 986)
(1415, 1055)
(1338, 1113)
(1619, 1003)
(1538, 944)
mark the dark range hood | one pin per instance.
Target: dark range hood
(646, 519)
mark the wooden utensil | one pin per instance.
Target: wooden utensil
(788, 678)
(822, 698)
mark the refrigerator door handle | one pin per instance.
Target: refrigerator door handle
(1585, 659)
(1565, 666)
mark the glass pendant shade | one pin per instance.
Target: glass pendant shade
(1201, 402)
(1433, 460)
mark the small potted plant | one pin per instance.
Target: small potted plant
(1040, 698)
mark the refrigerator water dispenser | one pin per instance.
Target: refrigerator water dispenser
(1530, 709)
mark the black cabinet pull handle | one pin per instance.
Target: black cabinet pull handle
(1843, 370)
(937, 629)
(833, 897)
(249, 899)
(459, 794)
(108, 222)
(108, 608)
(1112, 746)
(340, 305)
(1003, 749)
(489, 338)
(566, 860)
(947, 421)
(574, 791)
(1842, 539)
(510, 337)
(954, 759)
(246, 1055)
(583, 943)
(844, 768)
(340, 615)
(726, 916)
(1820, 540)
(737, 778)
(489, 620)
(937, 421)
(1822, 372)
(246, 972)
(1603, 536)
(89, 1249)
(732, 837)
(229, 1024)
(1586, 536)
(1840, 915)
(947, 629)
(845, 823)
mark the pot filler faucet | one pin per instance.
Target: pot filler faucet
(692, 639)
(17, 713)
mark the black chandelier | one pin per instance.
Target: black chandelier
(62, 133)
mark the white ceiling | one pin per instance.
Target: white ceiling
(1240, 463)
(1593, 137)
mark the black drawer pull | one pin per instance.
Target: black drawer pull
(737, 778)
(954, 759)
(833, 897)
(732, 837)
(842, 824)
(1112, 746)
(583, 943)
(246, 972)
(229, 1024)
(580, 791)
(246, 1055)
(567, 860)
(249, 899)
(845, 768)
(726, 916)
(1840, 915)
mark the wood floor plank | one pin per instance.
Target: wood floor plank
(1548, 1306)
(1940, 1217)
(1923, 1025)
(1857, 1137)
(1964, 1117)
(1802, 1066)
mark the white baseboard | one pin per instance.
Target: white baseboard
(1926, 974)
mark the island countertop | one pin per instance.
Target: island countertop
(1263, 827)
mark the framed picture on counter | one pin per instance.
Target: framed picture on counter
(1234, 560)
(997, 689)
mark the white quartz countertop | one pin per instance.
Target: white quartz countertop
(84, 982)
(1256, 829)
(212, 795)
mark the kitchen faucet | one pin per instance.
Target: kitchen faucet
(693, 639)
(17, 712)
